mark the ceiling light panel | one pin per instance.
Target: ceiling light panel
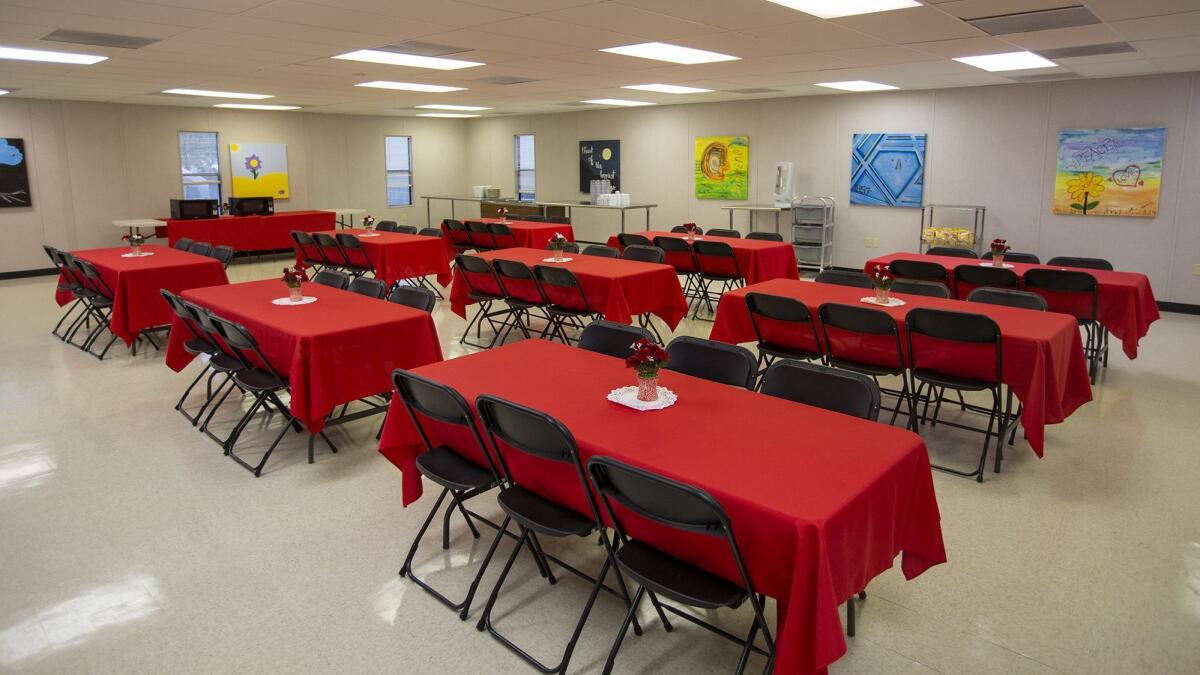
(996, 63)
(668, 88)
(616, 101)
(407, 60)
(448, 115)
(446, 106)
(256, 106)
(662, 51)
(832, 9)
(217, 94)
(18, 54)
(409, 86)
(857, 85)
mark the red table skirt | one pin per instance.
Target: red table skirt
(397, 256)
(757, 260)
(1042, 362)
(816, 516)
(618, 289)
(525, 234)
(341, 348)
(249, 233)
(135, 283)
(1125, 306)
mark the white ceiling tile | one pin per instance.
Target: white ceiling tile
(1076, 36)
(1116, 10)
(1171, 25)
(1178, 64)
(445, 12)
(1166, 47)
(815, 36)
(1116, 68)
(29, 15)
(632, 20)
(875, 56)
(964, 47)
(977, 9)
(125, 10)
(341, 18)
(916, 24)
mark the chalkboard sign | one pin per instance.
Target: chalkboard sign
(599, 160)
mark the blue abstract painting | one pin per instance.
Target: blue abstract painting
(887, 169)
(14, 175)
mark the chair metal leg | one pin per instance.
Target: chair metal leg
(616, 646)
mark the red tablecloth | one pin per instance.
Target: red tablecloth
(1125, 306)
(249, 233)
(525, 234)
(817, 515)
(135, 283)
(1042, 361)
(399, 256)
(619, 289)
(338, 349)
(757, 260)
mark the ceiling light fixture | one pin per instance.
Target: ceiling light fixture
(616, 101)
(856, 85)
(409, 86)
(446, 106)
(662, 51)
(5, 92)
(409, 60)
(995, 63)
(216, 94)
(667, 88)
(256, 106)
(448, 115)
(19, 54)
(832, 9)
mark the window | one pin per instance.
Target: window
(399, 170)
(523, 159)
(199, 165)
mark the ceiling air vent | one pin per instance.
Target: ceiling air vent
(83, 37)
(504, 79)
(1045, 77)
(754, 90)
(1028, 22)
(423, 48)
(1086, 50)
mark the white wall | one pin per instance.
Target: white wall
(91, 163)
(994, 146)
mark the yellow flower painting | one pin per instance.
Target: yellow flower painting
(1109, 172)
(259, 170)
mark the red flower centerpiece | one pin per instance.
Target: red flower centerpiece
(647, 359)
(368, 222)
(690, 230)
(135, 241)
(881, 278)
(503, 211)
(293, 277)
(999, 248)
(557, 243)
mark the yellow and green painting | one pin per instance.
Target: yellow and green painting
(259, 169)
(1109, 172)
(723, 167)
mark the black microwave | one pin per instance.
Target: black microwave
(191, 209)
(251, 206)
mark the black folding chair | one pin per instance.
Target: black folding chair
(866, 327)
(484, 288)
(517, 428)
(430, 232)
(521, 294)
(200, 248)
(560, 288)
(502, 235)
(66, 284)
(952, 251)
(1008, 297)
(601, 251)
(460, 239)
(329, 249)
(728, 234)
(627, 239)
(480, 237)
(100, 304)
(644, 253)
(711, 360)
(531, 219)
(657, 573)
(1081, 263)
(357, 263)
(198, 345)
(679, 229)
(182, 244)
(784, 329)
(1029, 258)
(920, 270)
(385, 226)
(94, 304)
(412, 296)
(223, 363)
(405, 229)
(765, 236)
(222, 254)
(372, 288)
(929, 289)
(264, 382)
(717, 264)
(943, 327)
(844, 278)
(308, 251)
(611, 338)
(457, 470)
(684, 262)
(559, 220)
(568, 247)
(967, 277)
(843, 391)
(1076, 293)
(332, 279)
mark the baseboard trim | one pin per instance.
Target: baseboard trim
(24, 274)
(1178, 307)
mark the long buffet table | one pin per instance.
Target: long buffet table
(248, 233)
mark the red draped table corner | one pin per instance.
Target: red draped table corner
(341, 348)
(1125, 305)
(817, 515)
(398, 256)
(757, 260)
(1043, 361)
(135, 283)
(524, 234)
(618, 289)
(249, 233)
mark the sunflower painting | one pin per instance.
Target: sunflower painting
(259, 169)
(1109, 172)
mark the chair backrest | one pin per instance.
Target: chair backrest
(613, 339)
(919, 269)
(601, 251)
(559, 220)
(947, 326)
(967, 277)
(405, 229)
(458, 231)
(1082, 263)
(952, 251)
(1007, 297)
(532, 219)
(876, 337)
(307, 248)
(711, 360)
(728, 234)
(413, 296)
(91, 277)
(502, 234)
(765, 236)
(372, 288)
(559, 286)
(650, 254)
(529, 431)
(471, 267)
(716, 258)
(182, 243)
(678, 254)
(844, 278)
(765, 310)
(241, 342)
(517, 281)
(628, 239)
(1067, 291)
(333, 279)
(386, 226)
(223, 253)
(329, 249)
(930, 289)
(200, 248)
(571, 247)
(430, 232)
(1013, 256)
(679, 229)
(439, 402)
(353, 251)
(479, 234)
(185, 314)
(841, 391)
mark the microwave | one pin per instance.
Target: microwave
(191, 209)
(251, 206)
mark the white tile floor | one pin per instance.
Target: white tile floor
(128, 543)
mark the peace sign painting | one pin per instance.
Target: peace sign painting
(1109, 172)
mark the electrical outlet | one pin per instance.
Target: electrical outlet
(1196, 270)
(871, 242)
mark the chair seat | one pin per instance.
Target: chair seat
(101, 301)
(567, 311)
(865, 368)
(521, 304)
(542, 515)
(480, 296)
(781, 352)
(951, 381)
(199, 346)
(667, 575)
(716, 276)
(258, 380)
(224, 363)
(450, 469)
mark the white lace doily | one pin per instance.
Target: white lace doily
(891, 302)
(627, 396)
(307, 299)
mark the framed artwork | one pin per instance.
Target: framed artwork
(723, 167)
(599, 160)
(14, 175)
(887, 170)
(259, 170)
(1109, 172)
